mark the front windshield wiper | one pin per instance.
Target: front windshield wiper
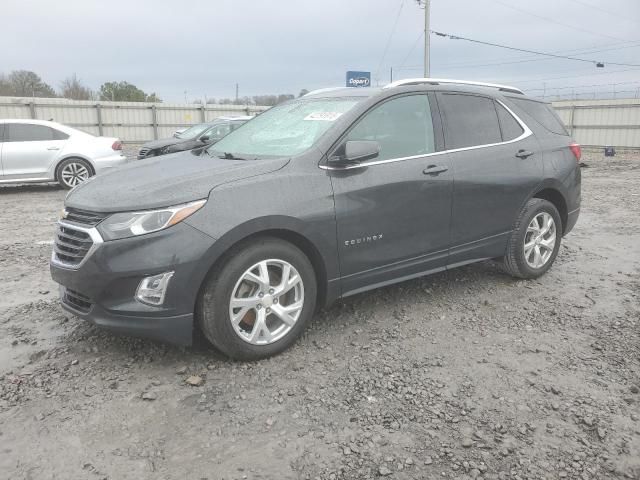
(230, 156)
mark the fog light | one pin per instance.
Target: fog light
(152, 289)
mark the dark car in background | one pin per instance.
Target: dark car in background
(197, 136)
(323, 197)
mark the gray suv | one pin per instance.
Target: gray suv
(323, 197)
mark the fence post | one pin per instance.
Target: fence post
(571, 114)
(155, 122)
(203, 115)
(32, 108)
(99, 115)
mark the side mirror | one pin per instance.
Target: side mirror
(355, 151)
(204, 139)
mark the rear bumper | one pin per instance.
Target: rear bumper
(572, 219)
(105, 163)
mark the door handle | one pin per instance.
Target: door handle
(523, 154)
(53, 148)
(435, 169)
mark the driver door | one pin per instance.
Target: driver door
(393, 212)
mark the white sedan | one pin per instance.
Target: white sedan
(40, 151)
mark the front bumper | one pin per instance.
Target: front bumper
(107, 279)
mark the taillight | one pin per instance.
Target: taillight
(576, 150)
(117, 145)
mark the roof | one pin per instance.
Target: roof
(28, 120)
(416, 83)
(230, 118)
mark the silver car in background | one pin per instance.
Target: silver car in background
(33, 151)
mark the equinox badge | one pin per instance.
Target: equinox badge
(361, 240)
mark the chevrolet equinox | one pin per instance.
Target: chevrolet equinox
(332, 194)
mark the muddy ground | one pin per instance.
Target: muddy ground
(464, 374)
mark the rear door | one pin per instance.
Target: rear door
(497, 164)
(29, 150)
(393, 212)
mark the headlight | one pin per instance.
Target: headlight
(129, 224)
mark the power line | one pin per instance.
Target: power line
(581, 50)
(611, 72)
(515, 60)
(413, 47)
(524, 60)
(585, 4)
(552, 20)
(535, 59)
(393, 30)
(565, 57)
(575, 87)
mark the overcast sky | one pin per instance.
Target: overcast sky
(282, 46)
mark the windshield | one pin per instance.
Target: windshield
(284, 130)
(193, 132)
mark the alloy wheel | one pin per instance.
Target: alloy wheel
(540, 240)
(266, 302)
(74, 174)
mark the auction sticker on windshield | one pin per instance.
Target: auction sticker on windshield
(323, 116)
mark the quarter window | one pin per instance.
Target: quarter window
(469, 120)
(58, 135)
(542, 113)
(24, 132)
(401, 126)
(510, 127)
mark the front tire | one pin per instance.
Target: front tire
(72, 172)
(258, 302)
(535, 240)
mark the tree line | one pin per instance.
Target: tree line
(25, 83)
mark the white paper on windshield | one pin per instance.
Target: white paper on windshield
(323, 116)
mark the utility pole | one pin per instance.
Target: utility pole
(236, 92)
(427, 40)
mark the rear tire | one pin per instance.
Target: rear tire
(72, 172)
(535, 240)
(258, 302)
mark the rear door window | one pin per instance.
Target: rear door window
(402, 126)
(469, 120)
(1, 132)
(510, 127)
(24, 132)
(543, 113)
(217, 132)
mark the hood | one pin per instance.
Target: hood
(163, 181)
(163, 142)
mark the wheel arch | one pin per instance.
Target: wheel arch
(69, 157)
(552, 193)
(246, 233)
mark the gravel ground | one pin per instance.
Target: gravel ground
(464, 374)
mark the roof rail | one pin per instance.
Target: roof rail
(438, 81)
(323, 90)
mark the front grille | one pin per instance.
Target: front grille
(82, 217)
(76, 300)
(143, 152)
(71, 245)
